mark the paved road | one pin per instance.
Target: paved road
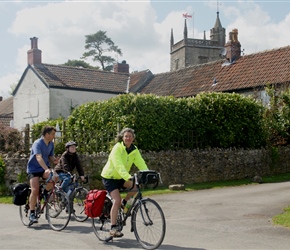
(225, 218)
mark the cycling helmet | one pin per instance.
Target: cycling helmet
(70, 143)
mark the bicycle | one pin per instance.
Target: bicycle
(56, 206)
(77, 196)
(147, 218)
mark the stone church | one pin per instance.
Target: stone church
(191, 51)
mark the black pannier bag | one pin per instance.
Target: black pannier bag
(20, 194)
(148, 178)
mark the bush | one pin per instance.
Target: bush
(2, 172)
(277, 117)
(220, 120)
(11, 140)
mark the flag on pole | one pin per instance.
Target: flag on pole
(186, 15)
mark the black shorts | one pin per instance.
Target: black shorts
(112, 184)
(37, 174)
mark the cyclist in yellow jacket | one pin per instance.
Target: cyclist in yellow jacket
(116, 174)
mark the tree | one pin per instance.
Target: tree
(97, 44)
(79, 63)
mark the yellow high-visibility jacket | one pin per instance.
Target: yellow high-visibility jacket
(120, 162)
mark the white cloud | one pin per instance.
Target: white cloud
(6, 83)
(257, 31)
(133, 27)
(61, 30)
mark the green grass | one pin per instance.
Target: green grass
(6, 199)
(282, 219)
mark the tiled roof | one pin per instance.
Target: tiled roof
(249, 71)
(58, 76)
(6, 111)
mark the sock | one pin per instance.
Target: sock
(124, 202)
(112, 226)
(32, 211)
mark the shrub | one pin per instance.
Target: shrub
(207, 120)
(11, 140)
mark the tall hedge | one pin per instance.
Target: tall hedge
(208, 120)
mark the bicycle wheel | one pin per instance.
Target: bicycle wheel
(148, 223)
(24, 212)
(58, 210)
(77, 201)
(102, 225)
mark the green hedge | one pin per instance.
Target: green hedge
(208, 120)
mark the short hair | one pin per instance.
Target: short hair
(47, 130)
(123, 131)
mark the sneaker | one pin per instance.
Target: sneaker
(33, 218)
(115, 233)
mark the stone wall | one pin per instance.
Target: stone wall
(184, 166)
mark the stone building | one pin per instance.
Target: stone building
(191, 51)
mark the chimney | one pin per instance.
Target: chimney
(121, 67)
(34, 54)
(233, 46)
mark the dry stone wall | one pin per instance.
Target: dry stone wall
(184, 166)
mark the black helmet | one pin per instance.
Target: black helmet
(70, 143)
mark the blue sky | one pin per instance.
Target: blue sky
(140, 28)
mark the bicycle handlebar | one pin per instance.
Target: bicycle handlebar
(74, 178)
(50, 177)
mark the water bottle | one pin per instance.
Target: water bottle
(128, 205)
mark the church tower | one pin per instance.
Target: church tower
(191, 51)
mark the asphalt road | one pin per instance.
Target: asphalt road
(224, 218)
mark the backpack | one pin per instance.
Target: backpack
(94, 202)
(20, 194)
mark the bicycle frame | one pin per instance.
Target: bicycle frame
(147, 218)
(136, 199)
(40, 209)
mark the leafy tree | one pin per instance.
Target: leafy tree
(12, 88)
(79, 63)
(97, 44)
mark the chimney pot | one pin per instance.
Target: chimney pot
(34, 54)
(121, 67)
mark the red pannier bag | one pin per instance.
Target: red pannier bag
(94, 202)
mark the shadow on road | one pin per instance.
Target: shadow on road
(133, 244)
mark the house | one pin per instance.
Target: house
(47, 91)
(6, 111)
(243, 74)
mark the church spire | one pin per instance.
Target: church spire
(185, 30)
(218, 33)
(171, 40)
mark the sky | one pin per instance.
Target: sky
(140, 28)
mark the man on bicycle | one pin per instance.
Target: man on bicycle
(116, 172)
(42, 152)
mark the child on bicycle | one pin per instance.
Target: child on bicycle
(116, 174)
(69, 160)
